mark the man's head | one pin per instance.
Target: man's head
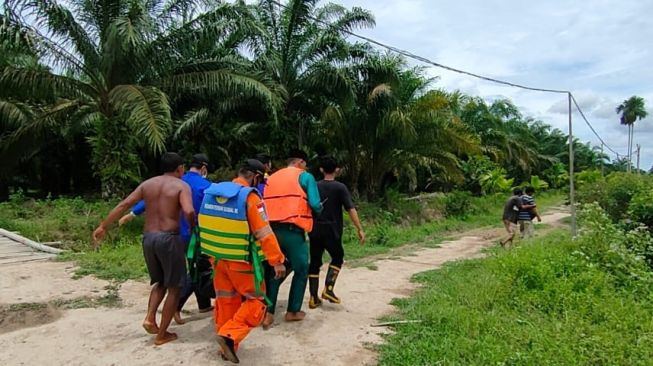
(329, 165)
(266, 160)
(252, 171)
(200, 164)
(297, 158)
(173, 164)
(530, 190)
(517, 192)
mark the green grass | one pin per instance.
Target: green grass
(422, 223)
(542, 303)
(394, 223)
(122, 261)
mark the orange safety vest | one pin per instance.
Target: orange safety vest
(286, 201)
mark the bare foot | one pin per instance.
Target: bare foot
(150, 327)
(295, 316)
(267, 322)
(206, 310)
(178, 319)
(167, 337)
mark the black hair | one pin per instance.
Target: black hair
(529, 190)
(328, 164)
(297, 154)
(517, 192)
(170, 161)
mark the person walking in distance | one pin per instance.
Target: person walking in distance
(511, 214)
(291, 196)
(166, 196)
(526, 216)
(234, 231)
(327, 233)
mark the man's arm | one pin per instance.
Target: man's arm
(133, 197)
(260, 228)
(186, 203)
(348, 204)
(308, 183)
(353, 215)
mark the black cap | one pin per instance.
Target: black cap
(263, 158)
(254, 166)
(200, 160)
(298, 154)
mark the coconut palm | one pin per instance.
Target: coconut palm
(631, 110)
(115, 64)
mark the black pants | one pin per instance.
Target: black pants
(203, 300)
(329, 242)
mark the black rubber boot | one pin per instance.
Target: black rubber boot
(329, 284)
(313, 286)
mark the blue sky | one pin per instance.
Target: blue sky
(600, 50)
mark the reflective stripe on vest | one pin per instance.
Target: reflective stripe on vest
(286, 201)
(224, 230)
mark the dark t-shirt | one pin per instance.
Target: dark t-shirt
(511, 209)
(334, 196)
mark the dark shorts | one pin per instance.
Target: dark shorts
(165, 258)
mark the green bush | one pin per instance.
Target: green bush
(458, 204)
(615, 193)
(640, 208)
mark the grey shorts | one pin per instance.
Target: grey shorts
(165, 258)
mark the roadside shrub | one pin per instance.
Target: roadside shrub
(603, 243)
(458, 204)
(641, 208)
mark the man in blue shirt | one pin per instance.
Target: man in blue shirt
(195, 177)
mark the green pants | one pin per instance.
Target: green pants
(293, 245)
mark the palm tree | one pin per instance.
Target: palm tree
(631, 110)
(393, 128)
(303, 48)
(116, 64)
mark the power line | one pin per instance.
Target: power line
(592, 127)
(439, 65)
(424, 59)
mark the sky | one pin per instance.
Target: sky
(600, 50)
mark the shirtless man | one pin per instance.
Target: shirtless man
(165, 196)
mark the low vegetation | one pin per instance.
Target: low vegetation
(391, 223)
(553, 301)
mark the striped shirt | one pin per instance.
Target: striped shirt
(526, 215)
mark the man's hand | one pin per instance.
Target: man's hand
(361, 237)
(539, 219)
(98, 235)
(125, 219)
(279, 271)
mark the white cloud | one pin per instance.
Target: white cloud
(600, 52)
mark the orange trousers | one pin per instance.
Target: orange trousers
(235, 318)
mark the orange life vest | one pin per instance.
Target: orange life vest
(286, 201)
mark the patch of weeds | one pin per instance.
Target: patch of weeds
(27, 306)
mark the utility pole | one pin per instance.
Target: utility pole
(638, 148)
(572, 201)
(602, 162)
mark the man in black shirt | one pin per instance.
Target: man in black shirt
(327, 232)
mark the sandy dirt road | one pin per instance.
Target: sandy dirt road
(331, 335)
